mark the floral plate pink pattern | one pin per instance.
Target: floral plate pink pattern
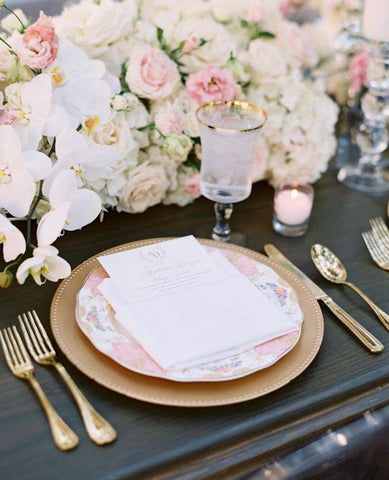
(96, 319)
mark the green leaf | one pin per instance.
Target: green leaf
(244, 23)
(266, 34)
(150, 126)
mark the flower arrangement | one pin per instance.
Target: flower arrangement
(101, 113)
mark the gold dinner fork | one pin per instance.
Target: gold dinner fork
(377, 252)
(21, 366)
(42, 351)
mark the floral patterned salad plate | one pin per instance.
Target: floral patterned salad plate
(96, 319)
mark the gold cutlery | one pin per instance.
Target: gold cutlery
(334, 271)
(42, 351)
(360, 332)
(21, 366)
(379, 254)
(380, 231)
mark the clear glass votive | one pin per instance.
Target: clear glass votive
(292, 209)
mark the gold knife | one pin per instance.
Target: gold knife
(363, 335)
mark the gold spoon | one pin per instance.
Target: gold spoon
(333, 270)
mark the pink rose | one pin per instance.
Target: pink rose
(212, 84)
(257, 12)
(169, 120)
(358, 70)
(191, 43)
(38, 47)
(151, 73)
(192, 185)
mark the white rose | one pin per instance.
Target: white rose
(146, 186)
(297, 44)
(151, 73)
(10, 23)
(266, 61)
(225, 12)
(181, 195)
(87, 26)
(178, 146)
(217, 49)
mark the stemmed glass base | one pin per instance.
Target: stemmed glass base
(368, 178)
(222, 231)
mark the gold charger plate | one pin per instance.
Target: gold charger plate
(108, 373)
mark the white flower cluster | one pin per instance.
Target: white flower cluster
(97, 108)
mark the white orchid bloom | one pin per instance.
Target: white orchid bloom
(12, 239)
(82, 86)
(30, 106)
(71, 208)
(73, 64)
(91, 163)
(46, 263)
(18, 173)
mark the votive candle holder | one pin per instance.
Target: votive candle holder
(292, 209)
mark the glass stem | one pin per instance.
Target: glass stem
(222, 230)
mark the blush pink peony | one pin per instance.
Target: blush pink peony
(38, 47)
(151, 73)
(212, 84)
(192, 185)
(170, 120)
(358, 70)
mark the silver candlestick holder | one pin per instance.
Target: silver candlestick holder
(371, 173)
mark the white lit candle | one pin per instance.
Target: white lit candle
(293, 205)
(375, 20)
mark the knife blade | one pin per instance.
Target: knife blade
(360, 332)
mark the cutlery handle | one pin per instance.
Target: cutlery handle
(363, 335)
(99, 430)
(63, 435)
(383, 316)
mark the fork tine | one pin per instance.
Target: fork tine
(6, 352)
(370, 247)
(38, 323)
(21, 345)
(15, 352)
(32, 336)
(381, 231)
(27, 336)
(380, 247)
(373, 248)
(38, 335)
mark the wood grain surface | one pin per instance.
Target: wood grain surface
(154, 441)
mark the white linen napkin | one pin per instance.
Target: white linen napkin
(204, 322)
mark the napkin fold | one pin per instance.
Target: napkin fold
(204, 322)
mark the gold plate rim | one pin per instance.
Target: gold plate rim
(134, 385)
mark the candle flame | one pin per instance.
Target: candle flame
(294, 193)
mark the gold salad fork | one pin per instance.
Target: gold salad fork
(21, 366)
(42, 351)
(380, 231)
(377, 252)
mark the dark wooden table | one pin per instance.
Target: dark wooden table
(240, 441)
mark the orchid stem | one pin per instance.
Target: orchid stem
(9, 265)
(6, 43)
(17, 219)
(13, 13)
